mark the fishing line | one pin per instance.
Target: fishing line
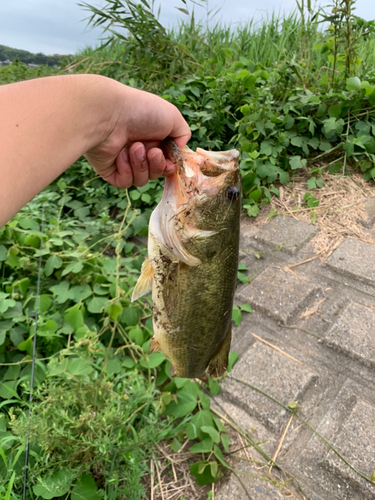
(36, 314)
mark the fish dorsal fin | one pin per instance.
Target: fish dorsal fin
(144, 283)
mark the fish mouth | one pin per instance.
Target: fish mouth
(200, 163)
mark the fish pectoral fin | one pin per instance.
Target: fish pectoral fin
(193, 232)
(144, 283)
(154, 346)
(219, 361)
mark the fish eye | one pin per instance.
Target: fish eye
(233, 193)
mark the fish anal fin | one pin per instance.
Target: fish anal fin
(144, 283)
(219, 362)
(154, 346)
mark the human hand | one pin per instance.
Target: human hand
(130, 154)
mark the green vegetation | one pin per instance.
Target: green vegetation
(8, 53)
(288, 93)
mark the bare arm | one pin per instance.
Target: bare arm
(47, 124)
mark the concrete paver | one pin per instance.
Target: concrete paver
(286, 234)
(335, 385)
(356, 259)
(273, 373)
(278, 293)
(354, 333)
(356, 443)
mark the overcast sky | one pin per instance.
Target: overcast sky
(58, 26)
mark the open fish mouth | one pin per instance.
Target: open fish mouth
(193, 164)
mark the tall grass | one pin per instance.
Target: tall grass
(135, 51)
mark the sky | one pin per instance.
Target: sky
(59, 26)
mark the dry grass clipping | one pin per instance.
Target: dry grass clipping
(171, 478)
(339, 214)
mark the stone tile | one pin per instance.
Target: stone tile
(279, 294)
(258, 489)
(258, 432)
(273, 373)
(356, 442)
(354, 258)
(354, 333)
(286, 233)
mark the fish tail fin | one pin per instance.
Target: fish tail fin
(144, 283)
(219, 362)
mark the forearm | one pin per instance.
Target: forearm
(46, 125)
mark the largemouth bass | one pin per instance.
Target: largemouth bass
(193, 260)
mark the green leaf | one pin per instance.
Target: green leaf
(6, 304)
(137, 336)
(219, 456)
(335, 111)
(3, 253)
(28, 223)
(311, 184)
(53, 262)
(13, 312)
(186, 401)
(128, 362)
(296, 141)
(353, 83)
(214, 435)
(80, 293)
(8, 389)
(219, 425)
(204, 447)
(266, 148)
(80, 367)
(153, 360)
(225, 440)
(100, 289)
(113, 366)
(348, 148)
(74, 267)
(114, 311)
(296, 162)
(62, 292)
(74, 317)
(252, 210)
(233, 357)
(44, 303)
(242, 277)
(2, 337)
(85, 489)
(12, 373)
(200, 419)
(236, 315)
(49, 328)
(130, 316)
(55, 485)
(310, 200)
(214, 386)
(242, 266)
(246, 308)
(202, 473)
(97, 304)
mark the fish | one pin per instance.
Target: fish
(192, 263)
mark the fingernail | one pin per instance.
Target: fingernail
(139, 153)
(157, 157)
(125, 155)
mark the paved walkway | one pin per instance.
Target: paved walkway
(323, 319)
